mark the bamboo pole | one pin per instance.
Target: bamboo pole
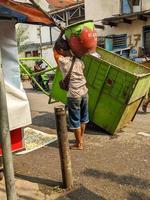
(6, 143)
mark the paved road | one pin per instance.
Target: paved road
(108, 169)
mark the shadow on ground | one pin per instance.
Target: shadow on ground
(137, 196)
(93, 129)
(81, 193)
(121, 179)
(44, 119)
(38, 180)
(142, 113)
(47, 119)
(22, 197)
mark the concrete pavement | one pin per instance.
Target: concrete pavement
(109, 168)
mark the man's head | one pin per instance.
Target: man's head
(62, 47)
(38, 62)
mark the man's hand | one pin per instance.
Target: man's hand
(56, 55)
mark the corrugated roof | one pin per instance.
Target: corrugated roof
(60, 4)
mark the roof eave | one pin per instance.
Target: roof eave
(126, 18)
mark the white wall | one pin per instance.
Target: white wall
(33, 33)
(145, 4)
(99, 9)
(45, 33)
(48, 55)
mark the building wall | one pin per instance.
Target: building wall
(145, 4)
(32, 34)
(32, 31)
(45, 33)
(47, 53)
(134, 31)
(99, 9)
(33, 37)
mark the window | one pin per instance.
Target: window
(31, 53)
(35, 53)
(128, 6)
(119, 41)
(116, 42)
(147, 40)
(101, 42)
(136, 2)
(137, 5)
(28, 54)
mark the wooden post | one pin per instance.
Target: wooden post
(1, 168)
(64, 151)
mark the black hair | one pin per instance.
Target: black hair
(62, 44)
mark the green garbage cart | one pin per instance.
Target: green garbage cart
(116, 86)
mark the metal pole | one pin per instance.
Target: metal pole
(50, 33)
(67, 18)
(64, 151)
(40, 35)
(6, 144)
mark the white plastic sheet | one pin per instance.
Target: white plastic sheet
(17, 102)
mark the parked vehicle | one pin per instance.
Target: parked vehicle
(40, 72)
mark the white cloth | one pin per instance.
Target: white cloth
(17, 102)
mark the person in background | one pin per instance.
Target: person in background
(77, 96)
(41, 78)
(146, 102)
(39, 66)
